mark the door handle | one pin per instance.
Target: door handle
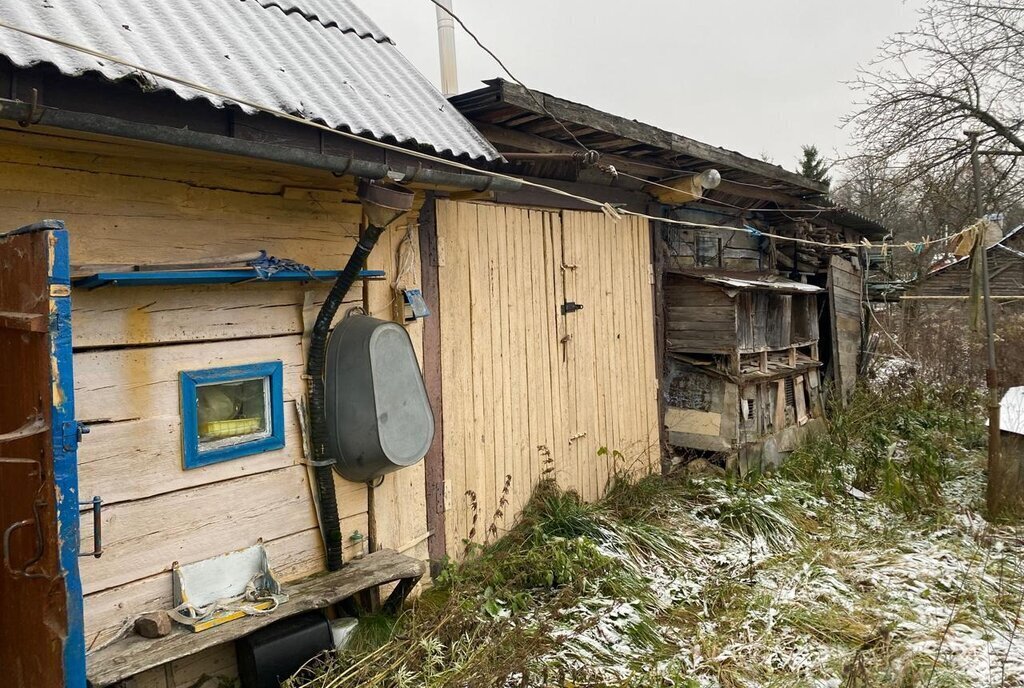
(97, 527)
(10, 530)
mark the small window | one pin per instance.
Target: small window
(231, 412)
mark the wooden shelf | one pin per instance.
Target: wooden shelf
(225, 276)
(134, 654)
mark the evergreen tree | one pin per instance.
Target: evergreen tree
(813, 166)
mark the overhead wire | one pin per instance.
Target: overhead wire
(529, 91)
(605, 207)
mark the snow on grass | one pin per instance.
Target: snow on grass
(720, 583)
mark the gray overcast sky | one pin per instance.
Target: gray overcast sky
(749, 75)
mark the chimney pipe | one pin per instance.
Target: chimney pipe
(446, 49)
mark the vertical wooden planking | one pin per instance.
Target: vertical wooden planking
(504, 385)
(630, 373)
(476, 449)
(650, 348)
(558, 456)
(542, 336)
(511, 307)
(456, 374)
(651, 351)
(522, 308)
(491, 224)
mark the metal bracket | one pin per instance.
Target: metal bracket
(35, 113)
(97, 527)
(71, 434)
(571, 307)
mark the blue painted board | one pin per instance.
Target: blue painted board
(64, 431)
(227, 276)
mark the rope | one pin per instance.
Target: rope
(267, 266)
(607, 208)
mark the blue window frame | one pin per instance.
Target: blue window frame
(227, 413)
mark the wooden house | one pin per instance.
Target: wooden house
(142, 202)
(948, 287)
(757, 280)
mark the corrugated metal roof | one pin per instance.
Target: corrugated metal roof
(324, 60)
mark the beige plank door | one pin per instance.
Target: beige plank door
(612, 390)
(845, 296)
(530, 392)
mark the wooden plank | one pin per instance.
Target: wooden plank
(558, 451)
(145, 537)
(543, 323)
(535, 362)
(128, 316)
(456, 342)
(135, 459)
(693, 421)
(134, 654)
(520, 307)
(292, 557)
(142, 382)
(26, 322)
(574, 334)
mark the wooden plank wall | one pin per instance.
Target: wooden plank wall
(128, 203)
(845, 285)
(700, 318)
(530, 393)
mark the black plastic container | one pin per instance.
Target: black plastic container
(272, 654)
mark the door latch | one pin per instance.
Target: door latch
(571, 307)
(72, 432)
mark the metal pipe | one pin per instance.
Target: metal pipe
(446, 48)
(440, 178)
(18, 111)
(997, 487)
(585, 158)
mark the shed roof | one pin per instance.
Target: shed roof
(642, 149)
(998, 246)
(324, 60)
(745, 281)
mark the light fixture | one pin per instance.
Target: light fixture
(709, 179)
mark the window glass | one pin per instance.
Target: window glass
(229, 412)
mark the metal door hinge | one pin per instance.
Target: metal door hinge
(571, 307)
(71, 434)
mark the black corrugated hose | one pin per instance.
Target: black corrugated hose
(330, 524)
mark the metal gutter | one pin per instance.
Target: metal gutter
(28, 114)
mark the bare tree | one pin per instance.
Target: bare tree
(961, 68)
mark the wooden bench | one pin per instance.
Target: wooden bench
(135, 654)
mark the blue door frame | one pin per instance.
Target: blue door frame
(65, 435)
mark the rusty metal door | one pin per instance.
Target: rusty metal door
(41, 634)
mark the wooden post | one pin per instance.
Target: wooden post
(998, 489)
(434, 460)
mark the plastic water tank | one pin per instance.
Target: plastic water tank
(378, 415)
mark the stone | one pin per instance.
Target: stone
(153, 625)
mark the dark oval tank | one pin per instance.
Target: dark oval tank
(378, 415)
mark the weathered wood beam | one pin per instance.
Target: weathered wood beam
(575, 113)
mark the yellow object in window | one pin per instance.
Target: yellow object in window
(219, 429)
